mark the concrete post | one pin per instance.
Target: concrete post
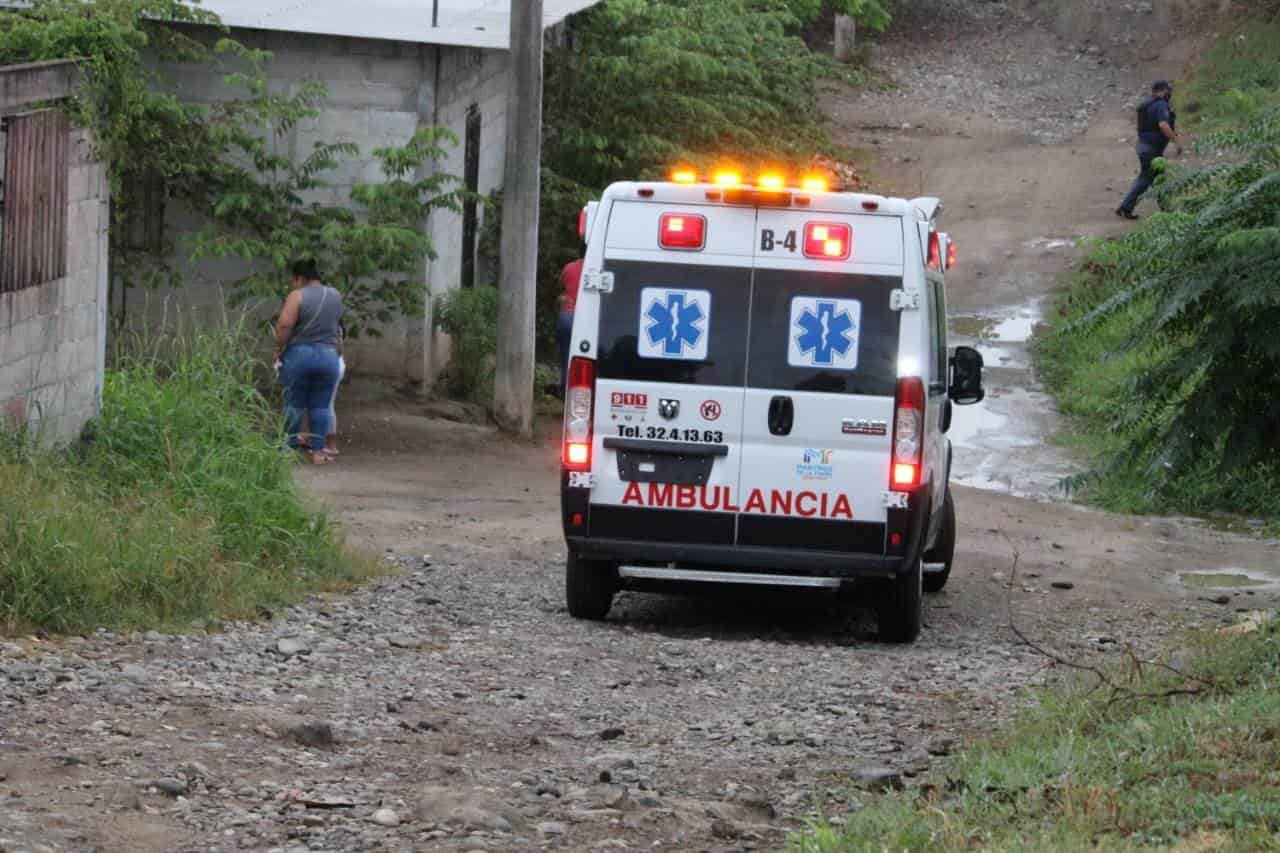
(846, 31)
(513, 384)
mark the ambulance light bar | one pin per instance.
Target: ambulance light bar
(765, 181)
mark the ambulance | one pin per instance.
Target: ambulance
(759, 392)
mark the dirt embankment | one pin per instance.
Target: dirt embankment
(456, 706)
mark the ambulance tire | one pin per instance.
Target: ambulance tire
(589, 586)
(944, 550)
(901, 606)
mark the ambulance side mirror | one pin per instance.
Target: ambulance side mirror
(966, 377)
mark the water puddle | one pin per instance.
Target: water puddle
(1228, 579)
(1015, 330)
(1051, 244)
(1002, 444)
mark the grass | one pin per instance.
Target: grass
(1189, 760)
(182, 506)
(1238, 77)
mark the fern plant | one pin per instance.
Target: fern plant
(1207, 270)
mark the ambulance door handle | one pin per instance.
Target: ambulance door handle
(782, 415)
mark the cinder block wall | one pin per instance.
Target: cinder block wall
(53, 336)
(380, 93)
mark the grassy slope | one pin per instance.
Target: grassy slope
(1109, 770)
(1129, 769)
(182, 508)
(1090, 373)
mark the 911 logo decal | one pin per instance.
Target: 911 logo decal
(824, 333)
(674, 324)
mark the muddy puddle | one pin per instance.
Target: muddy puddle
(1004, 443)
(1229, 579)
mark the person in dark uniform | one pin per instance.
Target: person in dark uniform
(1157, 127)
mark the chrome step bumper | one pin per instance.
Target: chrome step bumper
(699, 576)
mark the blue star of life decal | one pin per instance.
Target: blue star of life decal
(824, 332)
(674, 323)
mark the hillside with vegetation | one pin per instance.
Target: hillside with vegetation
(1164, 352)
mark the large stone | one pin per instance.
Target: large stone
(878, 778)
(469, 810)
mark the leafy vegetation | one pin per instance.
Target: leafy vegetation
(1237, 80)
(647, 84)
(222, 159)
(181, 507)
(1186, 756)
(371, 246)
(1165, 352)
(470, 317)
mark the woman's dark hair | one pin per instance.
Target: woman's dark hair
(306, 269)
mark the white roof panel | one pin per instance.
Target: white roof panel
(467, 23)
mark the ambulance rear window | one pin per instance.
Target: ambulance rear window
(679, 323)
(824, 332)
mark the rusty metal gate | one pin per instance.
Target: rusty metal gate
(33, 210)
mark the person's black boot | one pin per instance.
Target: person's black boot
(1125, 214)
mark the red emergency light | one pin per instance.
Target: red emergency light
(908, 434)
(828, 241)
(687, 231)
(579, 410)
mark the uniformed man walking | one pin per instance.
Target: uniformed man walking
(1157, 127)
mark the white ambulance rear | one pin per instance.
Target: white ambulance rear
(758, 394)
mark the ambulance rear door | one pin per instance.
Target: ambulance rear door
(822, 368)
(671, 367)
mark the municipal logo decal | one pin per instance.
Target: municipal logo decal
(674, 323)
(824, 333)
(815, 464)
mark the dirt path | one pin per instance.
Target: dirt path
(456, 706)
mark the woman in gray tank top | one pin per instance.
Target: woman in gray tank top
(309, 349)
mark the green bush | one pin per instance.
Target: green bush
(181, 506)
(470, 317)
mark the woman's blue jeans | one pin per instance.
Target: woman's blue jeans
(309, 373)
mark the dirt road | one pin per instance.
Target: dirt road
(456, 706)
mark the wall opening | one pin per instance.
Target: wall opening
(33, 218)
(470, 211)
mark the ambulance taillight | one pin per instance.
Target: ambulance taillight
(935, 251)
(579, 408)
(687, 231)
(827, 241)
(908, 434)
(951, 253)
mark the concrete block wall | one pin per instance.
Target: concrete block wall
(380, 93)
(467, 77)
(53, 336)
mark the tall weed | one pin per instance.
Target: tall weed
(181, 505)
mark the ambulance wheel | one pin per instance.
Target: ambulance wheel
(944, 551)
(589, 586)
(901, 609)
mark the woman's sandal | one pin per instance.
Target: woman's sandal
(320, 458)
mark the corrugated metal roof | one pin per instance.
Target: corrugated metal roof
(468, 23)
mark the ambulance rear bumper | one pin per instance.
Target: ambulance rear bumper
(753, 560)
